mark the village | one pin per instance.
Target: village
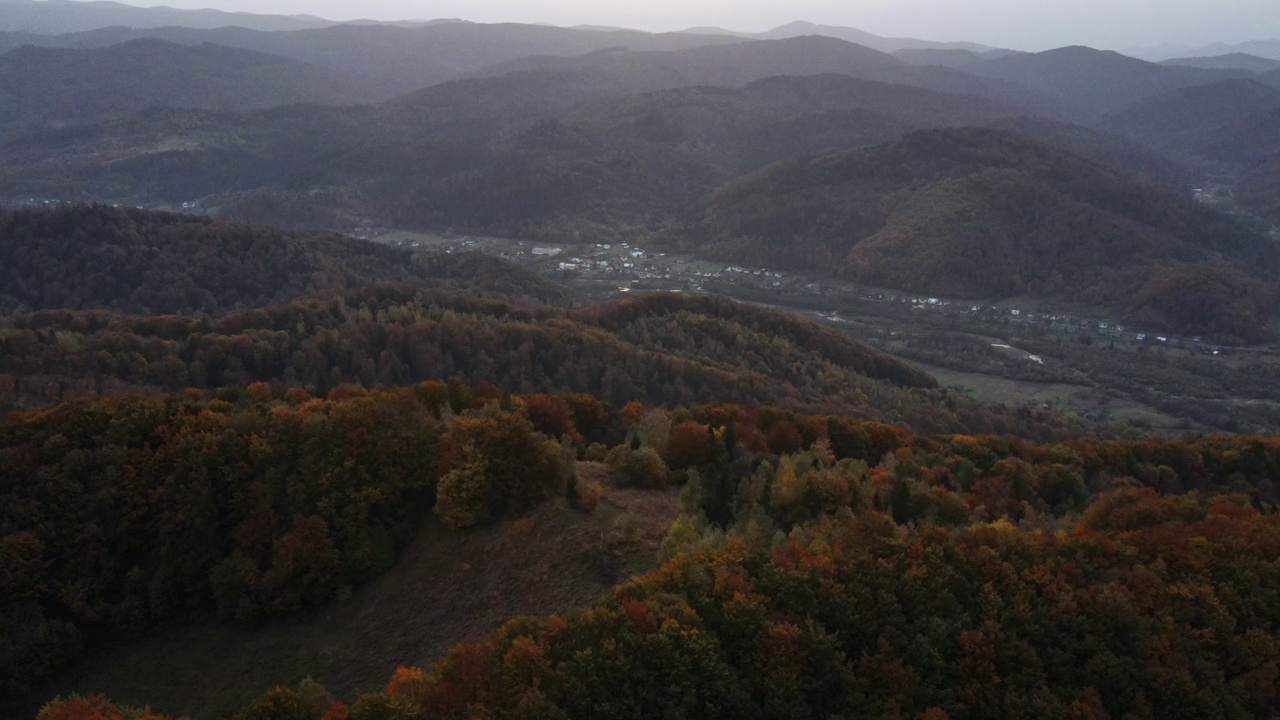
(602, 270)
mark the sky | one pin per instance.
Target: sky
(1020, 24)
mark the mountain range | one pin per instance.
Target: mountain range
(65, 16)
(853, 35)
(576, 135)
(50, 86)
(1269, 49)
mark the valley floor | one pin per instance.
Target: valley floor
(1077, 360)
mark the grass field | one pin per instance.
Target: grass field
(1068, 399)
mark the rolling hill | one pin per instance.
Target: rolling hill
(220, 309)
(160, 263)
(981, 213)
(40, 87)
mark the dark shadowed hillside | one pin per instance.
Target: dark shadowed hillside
(1176, 121)
(663, 348)
(1247, 142)
(45, 86)
(980, 213)
(159, 263)
(1261, 190)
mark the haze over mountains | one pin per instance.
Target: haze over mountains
(583, 134)
(68, 16)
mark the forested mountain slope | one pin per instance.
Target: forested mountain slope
(1175, 122)
(981, 213)
(139, 261)
(661, 348)
(1108, 148)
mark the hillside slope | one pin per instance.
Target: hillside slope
(1177, 121)
(980, 213)
(1260, 191)
(791, 576)
(662, 349)
(1108, 148)
(85, 257)
(555, 561)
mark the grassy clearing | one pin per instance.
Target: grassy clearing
(1069, 399)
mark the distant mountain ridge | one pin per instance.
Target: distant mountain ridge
(392, 59)
(1176, 122)
(1269, 49)
(54, 85)
(801, 28)
(1230, 61)
(51, 17)
(742, 62)
(1097, 81)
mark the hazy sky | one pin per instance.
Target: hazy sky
(1024, 24)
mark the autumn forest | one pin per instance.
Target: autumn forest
(444, 370)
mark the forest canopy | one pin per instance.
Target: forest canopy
(823, 565)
